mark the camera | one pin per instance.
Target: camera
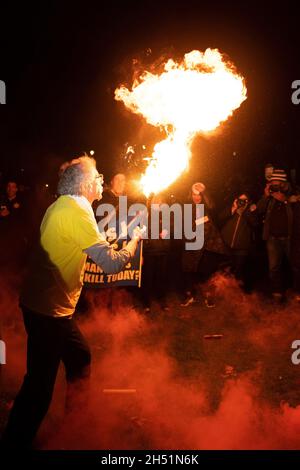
(278, 188)
(242, 202)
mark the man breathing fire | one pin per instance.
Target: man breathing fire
(68, 234)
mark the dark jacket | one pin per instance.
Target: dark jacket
(212, 242)
(158, 246)
(238, 230)
(264, 207)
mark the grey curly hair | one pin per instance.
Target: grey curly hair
(76, 176)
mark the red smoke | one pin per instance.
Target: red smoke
(238, 392)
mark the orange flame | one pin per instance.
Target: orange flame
(190, 97)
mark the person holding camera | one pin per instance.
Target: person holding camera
(277, 214)
(238, 223)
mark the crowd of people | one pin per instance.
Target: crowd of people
(69, 232)
(239, 235)
(239, 238)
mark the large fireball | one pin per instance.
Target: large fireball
(187, 98)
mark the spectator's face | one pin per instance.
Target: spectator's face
(118, 184)
(197, 198)
(11, 189)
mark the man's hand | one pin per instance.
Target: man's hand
(138, 233)
(163, 234)
(294, 198)
(253, 207)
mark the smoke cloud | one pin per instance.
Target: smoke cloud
(158, 383)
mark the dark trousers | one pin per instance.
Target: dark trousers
(50, 340)
(209, 264)
(238, 263)
(277, 249)
(155, 278)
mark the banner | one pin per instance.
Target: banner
(94, 277)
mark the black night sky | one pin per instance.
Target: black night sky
(62, 61)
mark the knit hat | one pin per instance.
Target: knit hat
(279, 175)
(198, 188)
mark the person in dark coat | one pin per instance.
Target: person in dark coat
(199, 265)
(238, 232)
(277, 214)
(112, 193)
(155, 261)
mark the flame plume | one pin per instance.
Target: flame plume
(187, 98)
